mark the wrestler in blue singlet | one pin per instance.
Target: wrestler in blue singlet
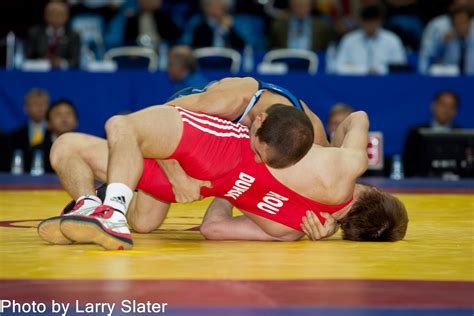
(262, 86)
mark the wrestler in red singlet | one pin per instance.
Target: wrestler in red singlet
(219, 151)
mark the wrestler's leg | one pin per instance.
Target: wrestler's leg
(79, 159)
(146, 213)
(154, 132)
(151, 133)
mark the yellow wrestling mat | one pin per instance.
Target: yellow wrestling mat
(438, 246)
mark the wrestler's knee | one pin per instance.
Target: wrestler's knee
(65, 146)
(116, 125)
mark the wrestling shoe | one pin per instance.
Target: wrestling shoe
(49, 229)
(106, 227)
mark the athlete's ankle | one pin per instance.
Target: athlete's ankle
(118, 196)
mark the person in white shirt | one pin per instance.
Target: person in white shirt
(436, 31)
(369, 49)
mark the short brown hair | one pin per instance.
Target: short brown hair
(288, 132)
(376, 216)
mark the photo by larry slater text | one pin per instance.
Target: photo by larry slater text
(78, 307)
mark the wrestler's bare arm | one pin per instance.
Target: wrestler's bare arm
(352, 137)
(218, 224)
(186, 189)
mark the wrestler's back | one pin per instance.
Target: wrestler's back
(321, 176)
(227, 98)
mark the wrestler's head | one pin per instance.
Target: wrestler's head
(375, 216)
(281, 136)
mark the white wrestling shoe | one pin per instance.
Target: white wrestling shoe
(49, 229)
(106, 227)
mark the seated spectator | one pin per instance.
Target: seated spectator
(444, 109)
(33, 133)
(55, 41)
(435, 31)
(217, 27)
(370, 49)
(183, 68)
(62, 118)
(457, 47)
(337, 114)
(300, 30)
(150, 25)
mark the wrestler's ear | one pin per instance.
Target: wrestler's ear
(261, 117)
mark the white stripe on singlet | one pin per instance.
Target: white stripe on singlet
(203, 123)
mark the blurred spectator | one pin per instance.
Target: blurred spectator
(300, 30)
(436, 31)
(105, 8)
(33, 133)
(217, 27)
(62, 118)
(370, 49)
(457, 47)
(55, 41)
(444, 109)
(183, 68)
(150, 25)
(337, 114)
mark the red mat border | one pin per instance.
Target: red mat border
(256, 293)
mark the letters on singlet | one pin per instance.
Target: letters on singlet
(272, 202)
(240, 186)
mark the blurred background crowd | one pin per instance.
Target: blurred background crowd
(335, 37)
(356, 36)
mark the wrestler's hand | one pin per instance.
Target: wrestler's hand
(315, 230)
(188, 189)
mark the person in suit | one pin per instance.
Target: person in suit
(457, 47)
(444, 109)
(32, 134)
(300, 30)
(216, 28)
(54, 40)
(150, 25)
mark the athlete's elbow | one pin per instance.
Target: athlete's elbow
(212, 231)
(361, 118)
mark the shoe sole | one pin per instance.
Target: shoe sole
(89, 230)
(49, 230)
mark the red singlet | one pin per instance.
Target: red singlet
(219, 151)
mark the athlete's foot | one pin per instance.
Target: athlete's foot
(49, 229)
(105, 226)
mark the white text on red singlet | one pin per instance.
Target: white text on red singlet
(240, 186)
(272, 202)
